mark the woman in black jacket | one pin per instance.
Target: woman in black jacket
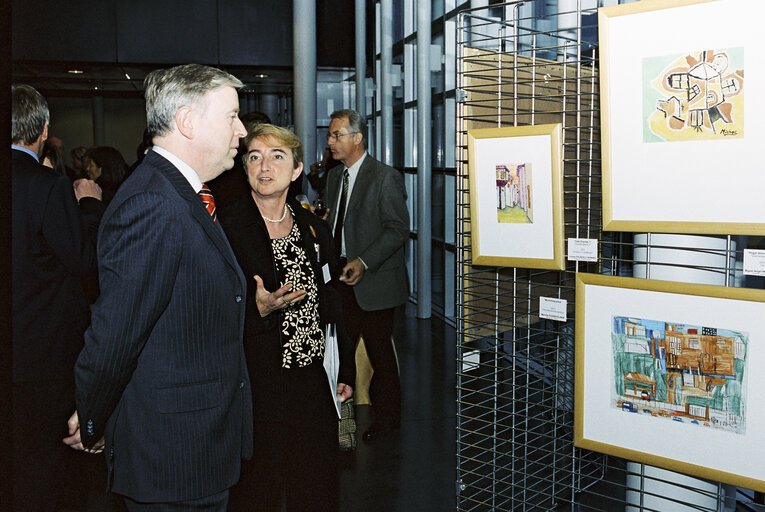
(288, 255)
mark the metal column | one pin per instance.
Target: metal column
(269, 105)
(361, 57)
(423, 160)
(386, 85)
(304, 56)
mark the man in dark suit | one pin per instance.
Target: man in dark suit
(370, 220)
(162, 377)
(53, 246)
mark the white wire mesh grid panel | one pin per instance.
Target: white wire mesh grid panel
(518, 65)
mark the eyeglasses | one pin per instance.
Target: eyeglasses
(332, 137)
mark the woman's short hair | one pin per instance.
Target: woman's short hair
(281, 137)
(167, 90)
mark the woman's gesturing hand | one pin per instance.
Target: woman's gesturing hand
(268, 302)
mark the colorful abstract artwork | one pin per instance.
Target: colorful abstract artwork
(675, 372)
(514, 193)
(696, 96)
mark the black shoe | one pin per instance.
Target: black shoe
(378, 431)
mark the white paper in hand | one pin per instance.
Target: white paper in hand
(332, 363)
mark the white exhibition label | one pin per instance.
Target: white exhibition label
(582, 249)
(552, 309)
(471, 360)
(754, 262)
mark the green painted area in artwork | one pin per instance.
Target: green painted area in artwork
(652, 67)
(514, 215)
(626, 362)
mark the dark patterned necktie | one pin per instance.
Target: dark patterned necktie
(209, 201)
(341, 216)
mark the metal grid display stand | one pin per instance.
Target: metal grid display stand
(515, 371)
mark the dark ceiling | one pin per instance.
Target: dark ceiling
(114, 79)
(115, 43)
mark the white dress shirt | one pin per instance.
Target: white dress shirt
(353, 172)
(190, 174)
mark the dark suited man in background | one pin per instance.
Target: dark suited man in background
(162, 377)
(370, 220)
(53, 246)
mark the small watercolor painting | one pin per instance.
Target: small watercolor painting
(514, 193)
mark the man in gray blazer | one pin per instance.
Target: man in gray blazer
(370, 221)
(162, 378)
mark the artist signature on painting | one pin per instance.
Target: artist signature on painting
(725, 133)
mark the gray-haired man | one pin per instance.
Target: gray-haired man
(162, 377)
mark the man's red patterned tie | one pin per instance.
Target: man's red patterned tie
(209, 201)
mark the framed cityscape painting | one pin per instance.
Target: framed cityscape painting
(516, 188)
(682, 117)
(670, 374)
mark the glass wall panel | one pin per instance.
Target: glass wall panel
(437, 207)
(411, 265)
(438, 275)
(437, 136)
(437, 77)
(449, 283)
(450, 198)
(437, 8)
(398, 139)
(398, 20)
(410, 181)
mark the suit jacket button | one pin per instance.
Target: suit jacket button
(238, 298)
(241, 384)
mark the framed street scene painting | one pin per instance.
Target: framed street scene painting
(516, 191)
(670, 374)
(682, 116)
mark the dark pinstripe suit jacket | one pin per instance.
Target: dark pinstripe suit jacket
(163, 373)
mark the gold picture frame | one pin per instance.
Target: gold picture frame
(668, 374)
(516, 191)
(677, 155)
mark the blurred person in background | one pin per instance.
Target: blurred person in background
(106, 167)
(78, 169)
(143, 147)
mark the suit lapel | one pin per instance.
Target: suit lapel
(196, 207)
(363, 180)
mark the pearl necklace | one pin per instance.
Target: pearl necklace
(275, 221)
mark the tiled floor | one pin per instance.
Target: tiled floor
(414, 469)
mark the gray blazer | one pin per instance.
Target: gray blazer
(376, 228)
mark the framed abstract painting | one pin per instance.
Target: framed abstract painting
(682, 117)
(516, 191)
(669, 374)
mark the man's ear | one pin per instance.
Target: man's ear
(184, 121)
(44, 134)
